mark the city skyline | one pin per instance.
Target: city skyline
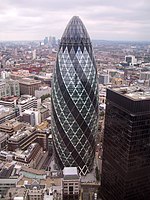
(105, 20)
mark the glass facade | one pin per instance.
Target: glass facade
(126, 148)
(75, 99)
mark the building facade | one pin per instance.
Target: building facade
(75, 99)
(126, 147)
(28, 86)
(3, 141)
(9, 88)
(71, 184)
(28, 102)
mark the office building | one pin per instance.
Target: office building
(75, 100)
(9, 88)
(126, 147)
(10, 101)
(104, 79)
(145, 75)
(45, 40)
(16, 193)
(30, 157)
(28, 86)
(130, 60)
(71, 184)
(7, 178)
(42, 91)
(19, 74)
(31, 116)
(34, 54)
(27, 102)
(7, 113)
(25, 137)
(11, 126)
(3, 141)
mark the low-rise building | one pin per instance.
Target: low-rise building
(15, 193)
(28, 86)
(30, 157)
(27, 102)
(71, 184)
(7, 113)
(31, 116)
(19, 74)
(11, 126)
(25, 137)
(9, 88)
(7, 178)
(3, 141)
(42, 91)
(9, 101)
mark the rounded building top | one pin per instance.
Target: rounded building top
(75, 32)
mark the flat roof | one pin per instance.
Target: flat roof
(70, 171)
(17, 193)
(134, 92)
(29, 81)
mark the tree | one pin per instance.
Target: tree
(43, 97)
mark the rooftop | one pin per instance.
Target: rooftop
(5, 111)
(15, 192)
(29, 81)
(20, 135)
(3, 135)
(70, 171)
(135, 93)
(27, 152)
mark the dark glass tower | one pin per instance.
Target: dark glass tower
(126, 147)
(75, 99)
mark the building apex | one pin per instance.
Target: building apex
(75, 32)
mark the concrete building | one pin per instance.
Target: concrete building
(35, 191)
(42, 91)
(71, 184)
(5, 74)
(7, 178)
(17, 75)
(44, 78)
(145, 75)
(15, 193)
(11, 126)
(27, 102)
(3, 141)
(28, 86)
(14, 87)
(103, 79)
(30, 157)
(31, 116)
(34, 54)
(25, 137)
(9, 101)
(9, 88)
(130, 60)
(45, 113)
(7, 113)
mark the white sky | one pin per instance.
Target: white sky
(104, 19)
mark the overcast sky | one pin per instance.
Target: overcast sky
(104, 19)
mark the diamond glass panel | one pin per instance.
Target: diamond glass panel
(75, 99)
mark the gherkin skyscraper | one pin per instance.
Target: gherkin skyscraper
(75, 99)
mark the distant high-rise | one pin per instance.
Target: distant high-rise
(75, 99)
(126, 147)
